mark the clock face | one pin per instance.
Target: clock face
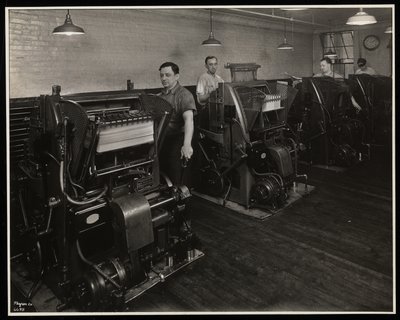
(371, 42)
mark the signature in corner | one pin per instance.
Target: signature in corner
(21, 306)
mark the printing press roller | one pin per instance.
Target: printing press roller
(120, 130)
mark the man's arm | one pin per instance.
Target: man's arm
(202, 98)
(187, 150)
(201, 94)
(355, 104)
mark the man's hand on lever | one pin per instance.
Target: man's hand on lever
(186, 154)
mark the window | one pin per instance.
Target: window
(341, 43)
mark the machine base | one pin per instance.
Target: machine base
(158, 274)
(44, 299)
(331, 168)
(260, 213)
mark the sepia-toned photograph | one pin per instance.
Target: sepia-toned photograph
(234, 159)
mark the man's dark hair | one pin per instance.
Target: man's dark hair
(328, 60)
(361, 62)
(209, 58)
(173, 66)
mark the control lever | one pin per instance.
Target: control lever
(184, 162)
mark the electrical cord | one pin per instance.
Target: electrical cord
(271, 174)
(70, 178)
(52, 156)
(75, 201)
(227, 193)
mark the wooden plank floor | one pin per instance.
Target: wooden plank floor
(330, 251)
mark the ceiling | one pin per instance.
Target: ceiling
(313, 17)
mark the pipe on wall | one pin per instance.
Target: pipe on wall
(279, 17)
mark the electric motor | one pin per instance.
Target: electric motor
(266, 191)
(345, 155)
(102, 285)
(212, 182)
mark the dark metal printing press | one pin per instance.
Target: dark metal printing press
(374, 94)
(327, 123)
(249, 154)
(100, 223)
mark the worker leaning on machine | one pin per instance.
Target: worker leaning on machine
(177, 146)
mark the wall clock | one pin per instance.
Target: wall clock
(371, 42)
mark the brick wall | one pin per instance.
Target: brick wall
(131, 44)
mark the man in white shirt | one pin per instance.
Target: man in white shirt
(326, 71)
(208, 81)
(363, 69)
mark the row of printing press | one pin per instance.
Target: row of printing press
(94, 218)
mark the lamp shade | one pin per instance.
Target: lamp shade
(361, 18)
(285, 45)
(388, 29)
(211, 42)
(331, 54)
(68, 28)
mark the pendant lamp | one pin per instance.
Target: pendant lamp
(361, 18)
(211, 41)
(331, 53)
(285, 45)
(388, 29)
(68, 28)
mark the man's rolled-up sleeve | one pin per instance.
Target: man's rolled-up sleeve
(187, 102)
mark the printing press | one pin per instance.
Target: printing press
(99, 223)
(248, 152)
(327, 123)
(374, 94)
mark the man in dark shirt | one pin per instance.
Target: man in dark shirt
(178, 141)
